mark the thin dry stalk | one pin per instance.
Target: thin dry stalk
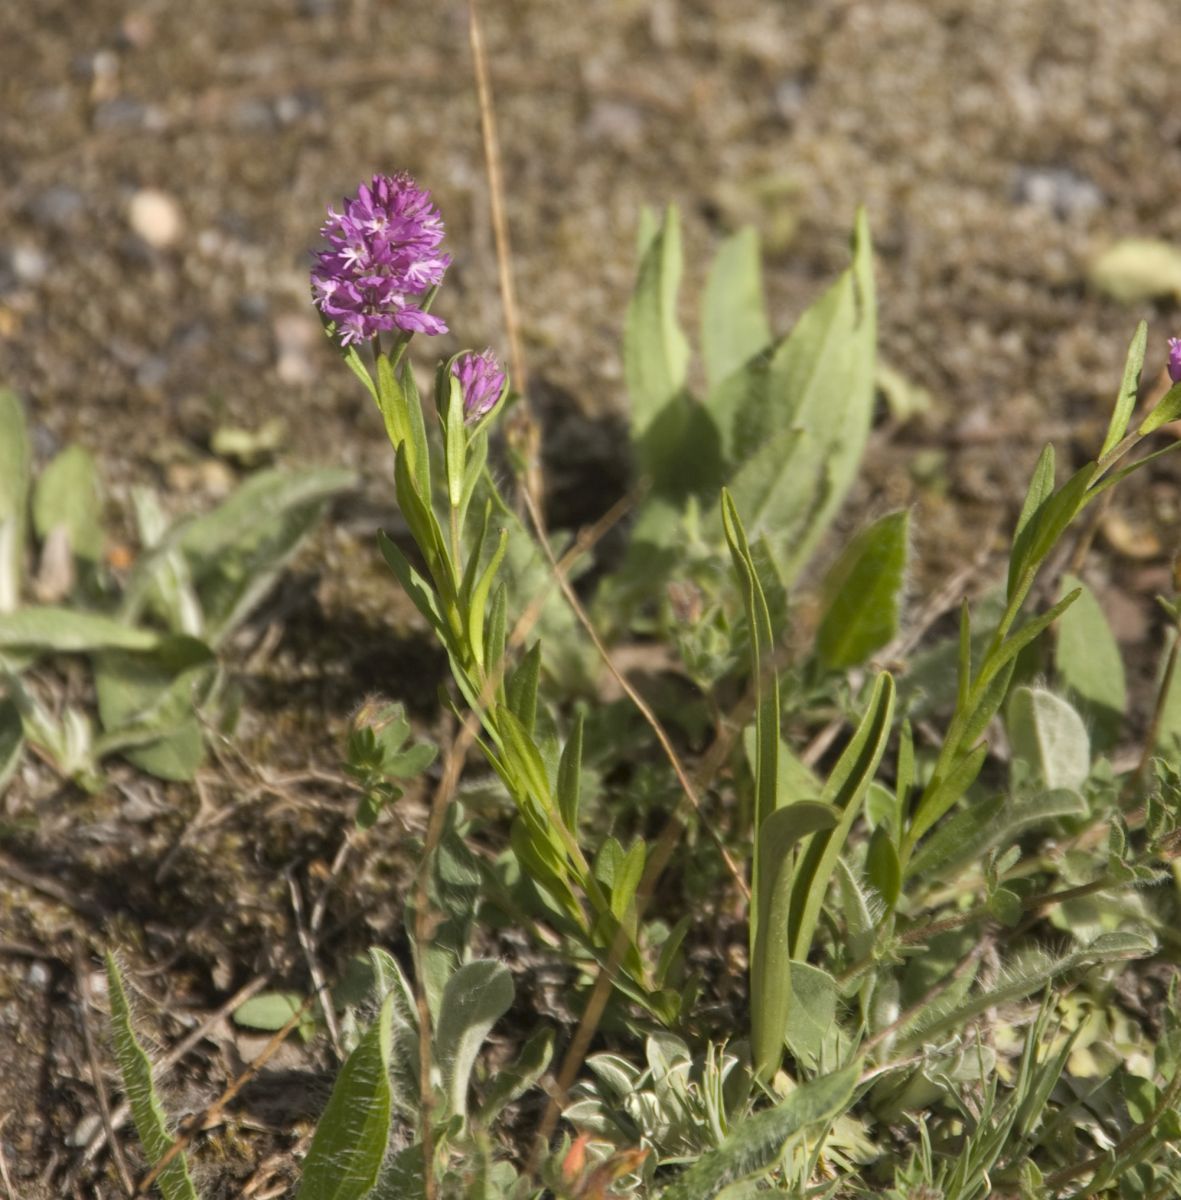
(319, 983)
(523, 431)
(211, 1115)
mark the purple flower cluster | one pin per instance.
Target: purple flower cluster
(482, 382)
(1175, 359)
(383, 256)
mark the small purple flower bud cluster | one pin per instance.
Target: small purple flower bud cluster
(1175, 359)
(383, 256)
(482, 382)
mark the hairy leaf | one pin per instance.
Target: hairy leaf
(146, 1110)
(350, 1139)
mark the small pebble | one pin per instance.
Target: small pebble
(29, 264)
(59, 206)
(155, 216)
(39, 976)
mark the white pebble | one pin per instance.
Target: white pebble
(155, 216)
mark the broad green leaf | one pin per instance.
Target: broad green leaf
(1088, 660)
(882, 866)
(770, 968)
(12, 740)
(402, 1176)
(844, 790)
(237, 551)
(48, 629)
(734, 324)
(14, 498)
(146, 703)
(476, 997)
(978, 827)
(175, 757)
(811, 1032)
(655, 352)
(863, 594)
(800, 445)
(150, 688)
(1125, 402)
(350, 1139)
(67, 495)
(146, 1110)
(1050, 736)
(757, 1143)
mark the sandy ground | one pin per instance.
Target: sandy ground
(997, 145)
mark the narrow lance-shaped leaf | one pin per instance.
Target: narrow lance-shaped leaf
(1125, 402)
(758, 1142)
(770, 969)
(350, 1139)
(844, 790)
(146, 1110)
(863, 593)
(1041, 488)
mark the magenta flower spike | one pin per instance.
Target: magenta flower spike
(1175, 359)
(482, 382)
(382, 258)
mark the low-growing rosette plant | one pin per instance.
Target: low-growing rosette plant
(937, 863)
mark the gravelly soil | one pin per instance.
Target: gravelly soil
(998, 146)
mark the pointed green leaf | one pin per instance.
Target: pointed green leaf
(757, 1143)
(350, 1139)
(67, 496)
(863, 594)
(569, 776)
(655, 352)
(475, 998)
(1088, 659)
(770, 968)
(844, 790)
(1048, 734)
(147, 1112)
(1166, 409)
(1125, 402)
(734, 324)
(47, 629)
